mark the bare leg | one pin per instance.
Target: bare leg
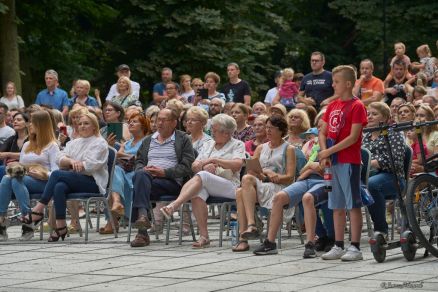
(243, 222)
(116, 202)
(309, 216)
(199, 208)
(339, 223)
(73, 208)
(60, 223)
(356, 224)
(249, 197)
(188, 191)
(157, 214)
(51, 220)
(280, 199)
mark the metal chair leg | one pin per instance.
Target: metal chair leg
(168, 230)
(129, 225)
(221, 223)
(181, 220)
(87, 216)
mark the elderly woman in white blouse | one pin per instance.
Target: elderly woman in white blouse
(83, 168)
(217, 169)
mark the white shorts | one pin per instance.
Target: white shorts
(216, 186)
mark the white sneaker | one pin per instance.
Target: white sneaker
(334, 254)
(352, 254)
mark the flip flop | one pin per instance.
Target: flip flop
(236, 247)
(253, 234)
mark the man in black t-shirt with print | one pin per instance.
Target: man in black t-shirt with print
(236, 90)
(396, 85)
(316, 87)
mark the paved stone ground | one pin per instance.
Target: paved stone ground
(109, 264)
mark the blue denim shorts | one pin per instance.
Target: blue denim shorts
(345, 192)
(297, 190)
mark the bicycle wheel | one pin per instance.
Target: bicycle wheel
(422, 210)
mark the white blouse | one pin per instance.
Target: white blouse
(46, 158)
(233, 149)
(93, 152)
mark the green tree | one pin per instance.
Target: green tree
(9, 53)
(413, 24)
(65, 36)
(199, 36)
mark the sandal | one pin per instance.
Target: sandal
(108, 229)
(239, 244)
(30, 222)
(202, 242)
(55, 237)
(167, 211)
(253, 234)
(118, 211)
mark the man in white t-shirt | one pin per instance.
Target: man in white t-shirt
(5, 130)
(123, 70)
(270, 95)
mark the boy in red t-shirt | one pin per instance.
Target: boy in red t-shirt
(340, 139)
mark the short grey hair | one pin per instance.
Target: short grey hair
(221, 101)
(226, 123)
(53, 73)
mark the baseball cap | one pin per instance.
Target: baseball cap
(123, 67)
(311, 131)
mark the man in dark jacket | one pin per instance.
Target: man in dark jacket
(163, 161)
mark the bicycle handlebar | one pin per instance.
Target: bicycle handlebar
(400, 126)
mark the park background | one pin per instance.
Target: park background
(85, 39)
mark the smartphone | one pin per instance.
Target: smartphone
(116, 129)
(63, 130)
(203, 93)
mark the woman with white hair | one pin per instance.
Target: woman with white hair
(217, 169)
(82, 90)
(196, 120)
(124, 88)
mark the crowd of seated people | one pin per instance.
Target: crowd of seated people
(189, 146)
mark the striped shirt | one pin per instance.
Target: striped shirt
(162, 155)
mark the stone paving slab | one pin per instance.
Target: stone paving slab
(109, 264)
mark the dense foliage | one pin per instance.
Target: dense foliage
(88, 39)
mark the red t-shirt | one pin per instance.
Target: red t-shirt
(340, 116)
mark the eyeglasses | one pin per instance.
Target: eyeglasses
(268, 128)
(108, 109)
(192, 121)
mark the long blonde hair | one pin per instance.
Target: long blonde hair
(44, 134)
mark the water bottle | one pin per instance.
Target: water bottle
(234, 232)
(327, 179)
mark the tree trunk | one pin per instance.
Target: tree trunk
(9, 53)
